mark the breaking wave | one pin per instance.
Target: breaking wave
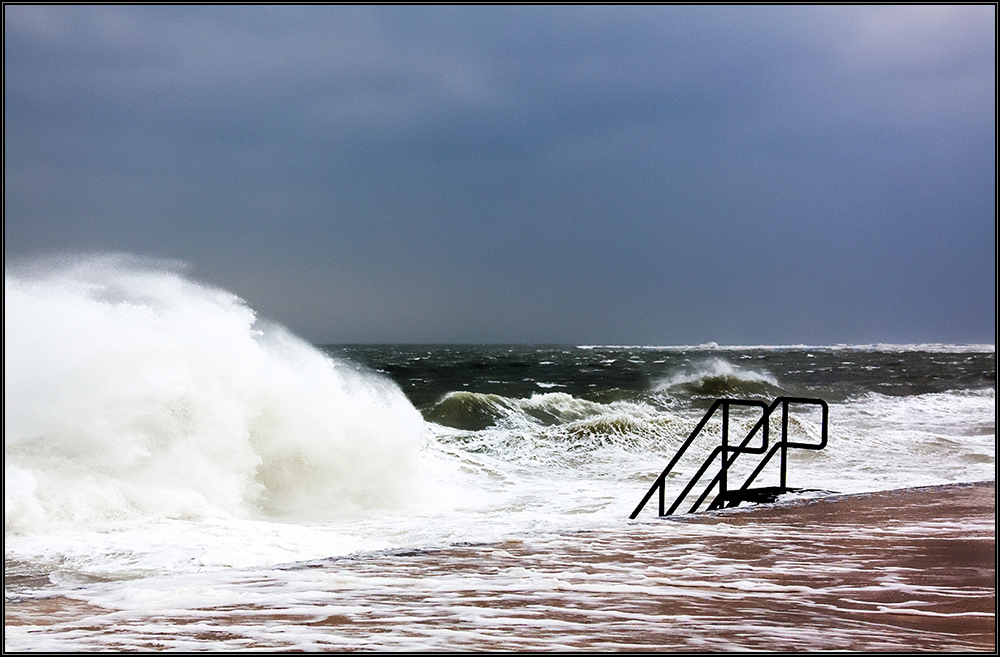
(133, 393)
(718, 378)
(552, 428)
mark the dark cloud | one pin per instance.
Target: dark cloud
(588, 174)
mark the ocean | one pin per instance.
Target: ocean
(182, 474)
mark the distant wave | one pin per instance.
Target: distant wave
(931, 347)
(716, 377)
(472, 411)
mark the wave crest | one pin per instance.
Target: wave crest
(472, 411)
(719, 378)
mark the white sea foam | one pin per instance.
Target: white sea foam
(132, 393)
(881, 442)
(715, 368)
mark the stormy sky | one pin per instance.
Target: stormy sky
(599, 175)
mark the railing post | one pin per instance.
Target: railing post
(723, 483)
(663, 491)
(784, 442)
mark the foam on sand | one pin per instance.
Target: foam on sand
(898, 570)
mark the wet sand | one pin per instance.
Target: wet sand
(904, 570)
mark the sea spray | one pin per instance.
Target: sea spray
(715, 378)
(132, 393)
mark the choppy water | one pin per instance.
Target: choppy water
(165, 447)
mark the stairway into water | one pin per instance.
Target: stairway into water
(728, 452)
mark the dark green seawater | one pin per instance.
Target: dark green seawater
(674, 376)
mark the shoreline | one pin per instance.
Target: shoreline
(906, 569)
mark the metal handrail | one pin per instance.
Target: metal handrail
(660, 483)
(721, 478)
(784, 444)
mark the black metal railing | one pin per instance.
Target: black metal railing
(726, 496)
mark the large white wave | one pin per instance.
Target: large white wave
(134, 393)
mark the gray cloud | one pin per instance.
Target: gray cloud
(591, 174)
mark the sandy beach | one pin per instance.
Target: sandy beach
(903, 570)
